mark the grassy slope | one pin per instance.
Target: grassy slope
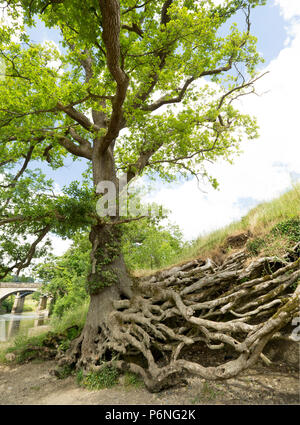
(259, 221)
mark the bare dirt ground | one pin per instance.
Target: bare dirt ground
(32, 384)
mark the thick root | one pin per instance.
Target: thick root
(231, 308)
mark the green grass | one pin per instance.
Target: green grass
(105, 378)
(19, 346)
(74, 317)
(278, 240)
(289, 228)
(133, 380)
(65, 371)
(4, 346)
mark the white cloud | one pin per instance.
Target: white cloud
(56, 63)
(241, 186)
(289, 8)
(60, 246)
(219, 2)
(267, 166)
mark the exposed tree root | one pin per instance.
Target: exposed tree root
(229, 307)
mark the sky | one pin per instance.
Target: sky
(268, 165)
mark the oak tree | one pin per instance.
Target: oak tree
(137, 87)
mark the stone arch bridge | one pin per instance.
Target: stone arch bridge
(21, 290)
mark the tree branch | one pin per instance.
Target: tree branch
(110, 10)
(12, 220)
(84, 150)
(85, 144)
(79, 117)
(26, 162)
(165, 101)
(134, 28)
(136, 6)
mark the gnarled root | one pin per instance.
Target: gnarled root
(231, 308)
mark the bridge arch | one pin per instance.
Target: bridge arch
(21, 290)
(9, 292)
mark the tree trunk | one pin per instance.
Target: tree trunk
(108, 280)
(107, 283)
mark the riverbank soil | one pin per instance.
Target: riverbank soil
(32, 383)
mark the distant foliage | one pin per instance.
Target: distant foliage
(149, 245)
(14, 278)
(7, 304)
(64, 278)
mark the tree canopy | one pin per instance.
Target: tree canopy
(114, 85)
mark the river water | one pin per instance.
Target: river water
(12, 325)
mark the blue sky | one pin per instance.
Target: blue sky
(269, 165)
(268, 26)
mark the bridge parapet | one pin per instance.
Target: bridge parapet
(20, 285)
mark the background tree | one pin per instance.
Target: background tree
(65, 277)
(123, 66)
(148, 244)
